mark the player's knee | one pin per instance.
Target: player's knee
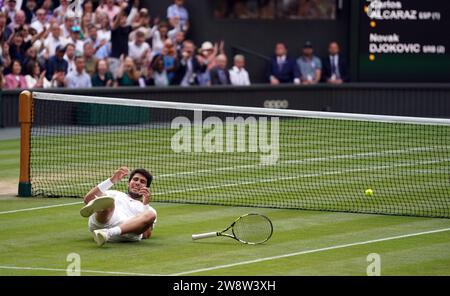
(149, 217)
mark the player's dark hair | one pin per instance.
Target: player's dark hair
(144, 173)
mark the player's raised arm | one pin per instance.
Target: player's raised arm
(102, 187)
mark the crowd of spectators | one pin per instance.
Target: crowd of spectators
(308, 68)
(44, 44)
(275, 9)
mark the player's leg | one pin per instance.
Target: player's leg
(104, 216)
(138, 224)
(102, 206)
(133, 229)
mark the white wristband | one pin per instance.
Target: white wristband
(105, 185)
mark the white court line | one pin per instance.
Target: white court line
(81, 271)
(40, 208)
(307, 252)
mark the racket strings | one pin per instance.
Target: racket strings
(253, 229)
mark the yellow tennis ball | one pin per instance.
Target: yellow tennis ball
(368, 192)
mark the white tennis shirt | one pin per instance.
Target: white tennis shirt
(128, 206)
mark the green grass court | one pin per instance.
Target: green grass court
(37, 241)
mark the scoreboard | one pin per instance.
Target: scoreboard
(404, 41)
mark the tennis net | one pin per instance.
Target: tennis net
(238, 156)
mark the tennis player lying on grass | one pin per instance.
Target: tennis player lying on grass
(115, 216)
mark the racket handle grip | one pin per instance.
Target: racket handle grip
(204, 235)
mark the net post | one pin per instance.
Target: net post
(25, 120)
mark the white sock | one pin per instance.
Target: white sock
(114, 231)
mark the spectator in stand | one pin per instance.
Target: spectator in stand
(88, 9)
(119, 39)
(219, 74)
(238, 74)
(103, 52)
(101, 46)
(178, 15)
(5, 32)
(189, 66)
(89, 59)
(5, 57)
(86, 20)
(69, 56)
(206, 57)
(110, 9)
(208, 54)
(15, 79)
(30, 8)
(142, 23)
(2, 78)
(66, 28)
(138, 49)
(309, 65)
(31, 37)
(54, 39)
(18, 48)
(104, 27)
(141, 20)
(282, 68)
(19, 21)
(35, 78)
(62, 10)
(92, 37)
(47, 6)
(30, 55)
(59, 78)
(132, 9)
(56, 63)
(170, 61)
(178, 42)
(40, 24)
(78, 78)
(88, 6)
(9, 9)
(159, 77)
(19, 3)
(127, 74)
(159, 34)
(335, 70)
(75, 38)
(102, 76)
(37, 39)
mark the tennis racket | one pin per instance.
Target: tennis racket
(249, 229)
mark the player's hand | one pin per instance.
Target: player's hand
(146, 195)
(119, 174)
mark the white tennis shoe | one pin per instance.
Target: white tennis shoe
(100, 236)
(96, 205)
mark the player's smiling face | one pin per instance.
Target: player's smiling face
(136, 183)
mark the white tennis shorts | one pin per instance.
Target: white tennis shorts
(117, 219)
